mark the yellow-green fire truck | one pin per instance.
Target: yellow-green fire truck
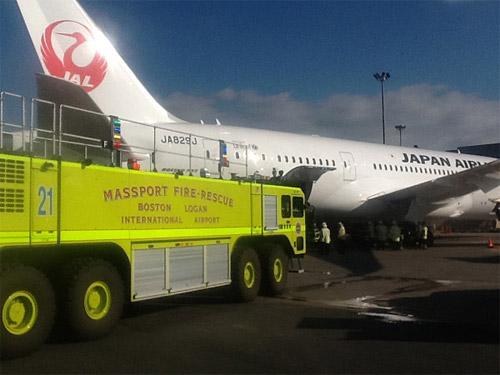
(83, 239)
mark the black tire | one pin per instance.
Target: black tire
(27, 305)
(275, 271)
(92, 298)
(245, 274)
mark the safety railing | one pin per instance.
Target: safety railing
(12, 120)
(54, 138)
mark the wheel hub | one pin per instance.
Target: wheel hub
(97, 300)
(249, 275)
(278, 270)
(19, 313)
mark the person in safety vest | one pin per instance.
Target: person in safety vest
(424, 232)
(325, 239)
(317, 236)
(341, 238)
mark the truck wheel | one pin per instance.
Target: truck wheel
(28, 307)
(245, 274)
(275, 271)
(92, 297)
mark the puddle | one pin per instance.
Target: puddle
(447, 282)
(393, 317)
(357, 303)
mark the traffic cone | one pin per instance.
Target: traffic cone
(491, 245)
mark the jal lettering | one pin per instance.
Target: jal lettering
(75, 78)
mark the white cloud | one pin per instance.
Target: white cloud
(435, 117)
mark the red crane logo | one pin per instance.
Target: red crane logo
(76, 58)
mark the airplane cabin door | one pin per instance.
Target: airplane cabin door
(211, 157)
(349, 166)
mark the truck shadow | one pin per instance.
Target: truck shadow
(357, 262)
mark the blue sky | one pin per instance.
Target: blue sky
(302, 66)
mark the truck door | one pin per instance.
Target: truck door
(44, 207)
(349, 166)
(256, 194)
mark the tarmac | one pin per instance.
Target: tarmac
(458, 278)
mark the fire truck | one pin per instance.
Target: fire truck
(80, 240)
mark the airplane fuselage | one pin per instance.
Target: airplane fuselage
(353, 173)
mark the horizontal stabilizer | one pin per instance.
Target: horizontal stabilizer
(76, 122)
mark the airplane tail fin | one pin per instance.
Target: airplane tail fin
(70, 46)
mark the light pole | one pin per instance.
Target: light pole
(382, 78)
(400, 128)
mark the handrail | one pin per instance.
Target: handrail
(4, 94)
(58, 136)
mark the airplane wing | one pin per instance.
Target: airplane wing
(443, 190)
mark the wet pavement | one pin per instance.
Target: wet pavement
(456, 281)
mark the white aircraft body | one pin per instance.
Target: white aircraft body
(342, 178)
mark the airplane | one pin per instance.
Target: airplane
(342, 179)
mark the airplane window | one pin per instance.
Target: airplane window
(208, 154)
(307, 160)
(326, 161)
(293, 159)
(320, 162)
(237, 155)
(300, 159)
(279, 158)
(286, 159)
(380, 166)
(333, 163)
(374, 166)
(406, 169)
(411, 169)
(264, 157)
(401, 168)
(385, 166)
(421, 170)
(314, 161)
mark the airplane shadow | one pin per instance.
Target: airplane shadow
(457, 316)
(494, 259)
